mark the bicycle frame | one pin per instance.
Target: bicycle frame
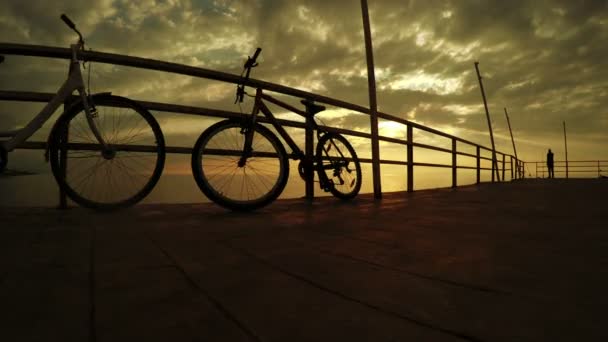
(259, 105)
(73, 82)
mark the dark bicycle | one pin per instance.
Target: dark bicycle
(242, 165)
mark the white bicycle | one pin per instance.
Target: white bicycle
(106, 151)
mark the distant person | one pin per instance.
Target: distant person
(550, 164)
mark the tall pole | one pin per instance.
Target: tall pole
(566, 146)
(513, 141)
(485, 104)
(373, 106)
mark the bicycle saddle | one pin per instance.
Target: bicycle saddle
(312, 108)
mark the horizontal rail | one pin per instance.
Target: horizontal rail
(173, 108)
(40, 145)
(594, 167)
(153, 64)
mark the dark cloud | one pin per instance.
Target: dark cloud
(543, 60)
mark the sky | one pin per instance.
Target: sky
(544, 60)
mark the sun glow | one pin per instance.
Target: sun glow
(392, 129)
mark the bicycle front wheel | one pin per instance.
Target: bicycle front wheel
(338, 166)
(119, 176)
(232, 181)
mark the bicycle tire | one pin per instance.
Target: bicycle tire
(114, 181)
(215, 166)
(333, 177)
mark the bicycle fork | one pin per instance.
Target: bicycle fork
(248, 130)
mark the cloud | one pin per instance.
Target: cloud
(543, 60)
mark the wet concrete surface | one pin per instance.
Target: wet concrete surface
(518, 261)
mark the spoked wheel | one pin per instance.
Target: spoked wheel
(119, 176)
(232, 181)
(338, 166)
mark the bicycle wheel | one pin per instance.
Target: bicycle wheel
(215, 166)
(338, 166)
(111, 179)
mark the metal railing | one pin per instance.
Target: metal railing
(572, 169)
(505, 162)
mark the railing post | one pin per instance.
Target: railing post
(566, 146)
(478, 164)
(308, 147)
(503, 167)
(521, 168)
(410, 158)
(599, 171)
(536, 169)
(511, 166)
(454, 166)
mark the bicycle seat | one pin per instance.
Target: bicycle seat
(312, 108)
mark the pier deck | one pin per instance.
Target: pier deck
(519, 261)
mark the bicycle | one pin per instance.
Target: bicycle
(241, 165)
(105, 151)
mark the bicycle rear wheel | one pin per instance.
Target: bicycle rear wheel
(119, 177)
(254, 184)
(338, 166)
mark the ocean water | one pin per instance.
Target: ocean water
(42, 190)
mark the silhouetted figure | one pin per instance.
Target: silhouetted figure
(550, 164)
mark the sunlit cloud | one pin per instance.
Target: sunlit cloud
(392, 129)
(463, 110)
(421, 81)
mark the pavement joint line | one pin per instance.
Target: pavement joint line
(475, 287)
(216, 303)
(453, 333)
(349, 237)
(414, 274)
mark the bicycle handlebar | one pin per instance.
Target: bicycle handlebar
(71, 25)
(68, 22)
(251, 60)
